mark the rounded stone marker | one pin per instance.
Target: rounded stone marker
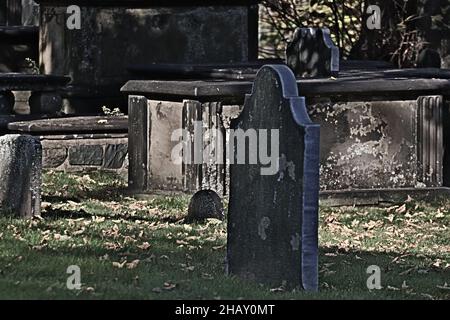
(6, 102)
(205, 204)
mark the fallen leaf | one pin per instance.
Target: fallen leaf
(404, 285)
(169, 286)
(444, 287)
(119, 265)
(392, 288)
(401, 209)
(133, 264)
(144, 246)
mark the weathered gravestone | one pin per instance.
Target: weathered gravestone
(20, 175)
(312, 53)
(273, 219)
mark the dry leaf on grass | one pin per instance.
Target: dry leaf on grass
(119, 265)
(144, 246)
(444, 287)
(133, 264)
(168, 286)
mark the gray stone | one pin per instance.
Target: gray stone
(20, 175)
(311, 53)
(115, 155)
(380, 144)
(86, 155)
(205, 204)
(273, 218)
(53, 157)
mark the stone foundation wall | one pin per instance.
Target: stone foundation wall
(88, 152)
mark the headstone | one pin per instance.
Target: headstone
(428, 58)
(311, 53)
(205, 204)
(20, 175)
(273, 216)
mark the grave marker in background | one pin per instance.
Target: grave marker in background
(312, 53)
(273, 219)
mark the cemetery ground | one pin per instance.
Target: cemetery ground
(139, 249)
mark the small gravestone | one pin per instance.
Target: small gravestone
(20, 175)
(204, 204)
(273, 216)
(312, 53)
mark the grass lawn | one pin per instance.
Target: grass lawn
(138, 249)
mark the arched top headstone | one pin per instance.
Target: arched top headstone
(279, 76)
(274, 185)
(312, 53)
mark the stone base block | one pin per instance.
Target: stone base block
(86, 152)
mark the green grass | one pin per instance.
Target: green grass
(139, 249)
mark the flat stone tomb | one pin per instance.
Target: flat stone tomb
(45, 97)
(381, 129)
(273, 211)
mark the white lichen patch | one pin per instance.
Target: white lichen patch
(365, 148)
(295, 242)
(286, 167)
(262, 227)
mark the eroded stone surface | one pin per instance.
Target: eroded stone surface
(374, 144)
(20, 175)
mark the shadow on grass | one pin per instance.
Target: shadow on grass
(102, 194)
(343, 274)
(58, 214)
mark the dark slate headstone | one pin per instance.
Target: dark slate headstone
(273, 219)
(312, 53)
